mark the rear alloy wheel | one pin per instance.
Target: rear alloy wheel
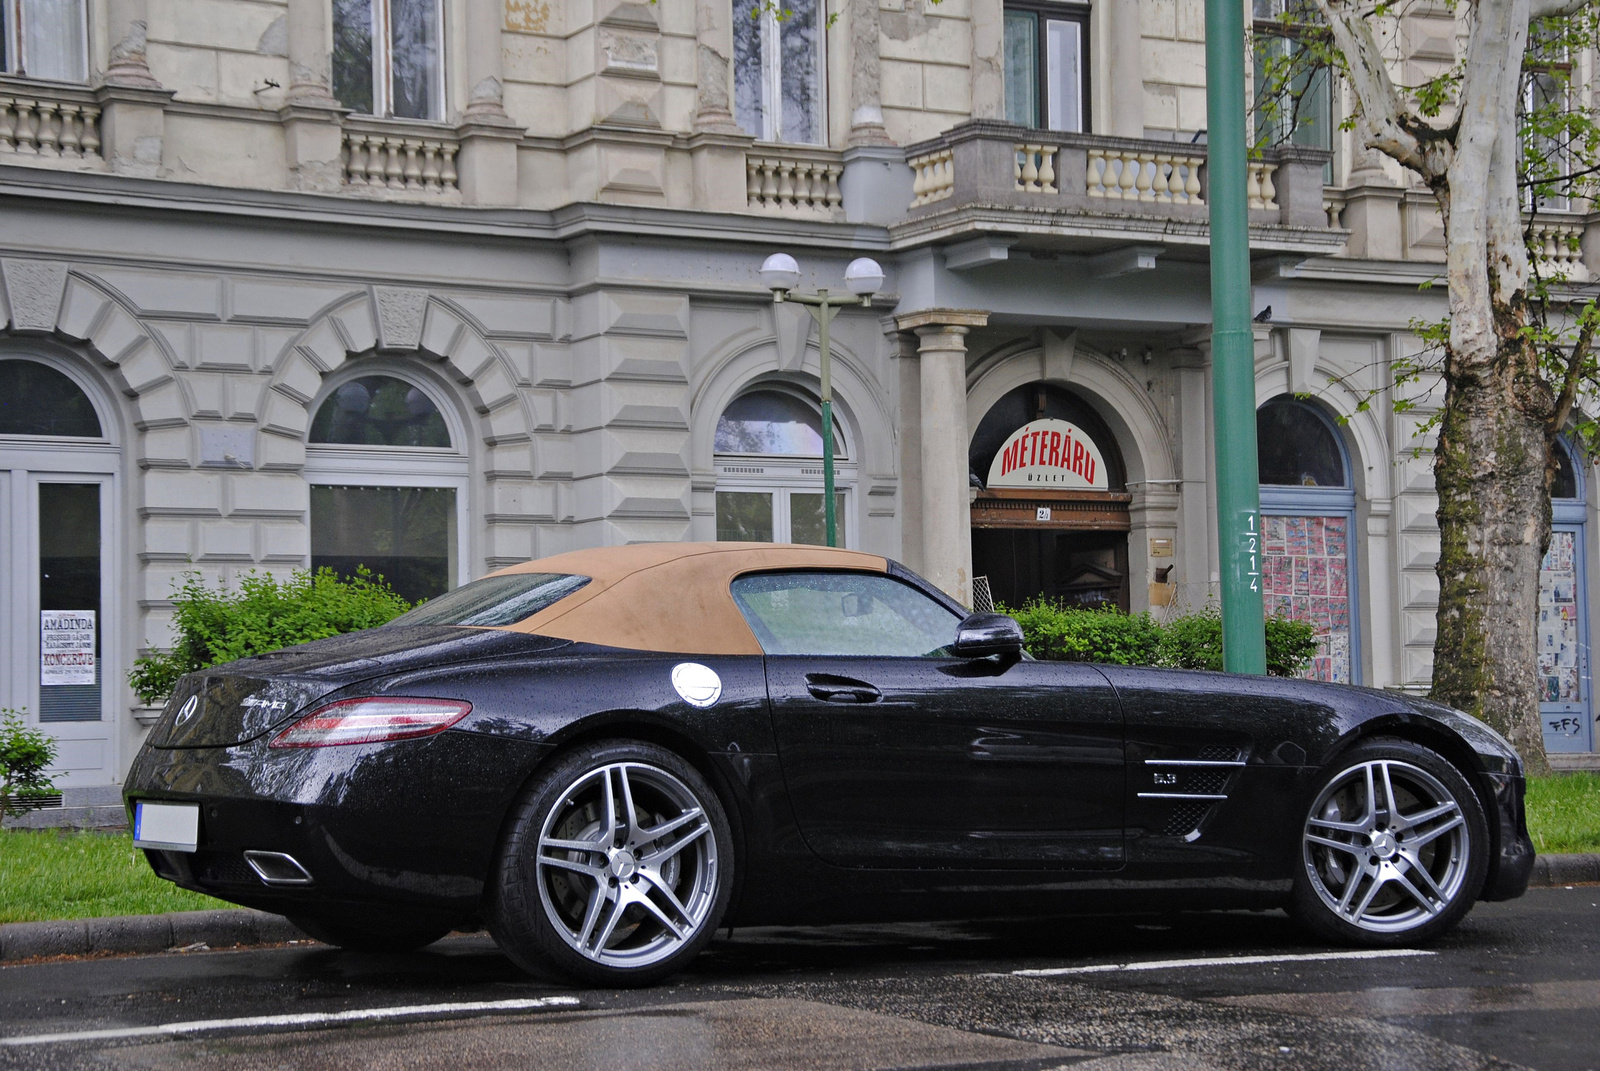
(1394, 848)
(617, 868)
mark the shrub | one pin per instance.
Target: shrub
(1194, 641)
(216, 625)
(1057, 633)
(24, 753)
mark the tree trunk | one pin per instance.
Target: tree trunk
(1494, 523)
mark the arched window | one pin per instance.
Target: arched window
(1308, 547)
(768, 449)
(37, 399)
(59, 575)
(388, 484)
(1565, 706)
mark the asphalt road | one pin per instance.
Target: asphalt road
(1517, 985)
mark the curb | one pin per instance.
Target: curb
(130, 934)
(1552, 870)
(143, 933)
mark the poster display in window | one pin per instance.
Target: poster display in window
(66, 647)
(1557, 634)
(1306, 577)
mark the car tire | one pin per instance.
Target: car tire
(595, 890)
(1394, 848)
(372, 933)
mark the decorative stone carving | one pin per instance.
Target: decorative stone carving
(400, 315)
(127, 66)
(33, 291)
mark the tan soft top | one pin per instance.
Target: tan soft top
(669, 597)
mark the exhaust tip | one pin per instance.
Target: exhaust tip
(278, 868)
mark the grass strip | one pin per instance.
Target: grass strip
(51, 874)
(1564, 812)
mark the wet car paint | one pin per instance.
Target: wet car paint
(417, 823)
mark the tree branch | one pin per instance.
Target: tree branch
(1544, 9)
(1386, 123)
(1573, 378)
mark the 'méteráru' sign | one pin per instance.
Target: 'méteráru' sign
(1049, 454)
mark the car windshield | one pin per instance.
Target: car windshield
(494, 600)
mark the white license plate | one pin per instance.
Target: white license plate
(174, 826)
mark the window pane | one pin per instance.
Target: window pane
(1064, 70)
(414, 38)
(744, 516)
(1022, 68)
(1297, 447)
(808, 523)
(749, 78)
(407, 535)
(69, 579)
(352, 54)
(379, 411)
(772, 422)
(1305, 568)
(52, 40)
(843, 614)
(35, 399)
(1566, 481)
(494, 600)
(800, 74)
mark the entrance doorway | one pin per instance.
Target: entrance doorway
(58, 636)
(1050, 515)
(1563, 631)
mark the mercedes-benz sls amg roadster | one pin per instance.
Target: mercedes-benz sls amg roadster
(604, 755)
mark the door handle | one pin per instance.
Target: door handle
(832, 689)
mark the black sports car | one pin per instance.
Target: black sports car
(606, 754)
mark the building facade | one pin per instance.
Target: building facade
(435, 286)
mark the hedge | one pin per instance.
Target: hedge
(1194, 641)
(215, 625)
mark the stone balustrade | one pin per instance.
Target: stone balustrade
(782, 180)
(49, 123)
(401, 159)
(998, 165)
(1128, 174)
(1555, 251)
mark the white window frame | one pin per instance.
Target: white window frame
(15, 38)
(339, 465)
(772, 76)
(781, 475)
(383, 64)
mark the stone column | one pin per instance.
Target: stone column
(126, 65)
(310, 115)
(713, 63)
(1372, 206)
(489, 137)
(946, 508)
(866, 76)
(1197, 528)
(1125, 70)
(909, 422)
(988, 59)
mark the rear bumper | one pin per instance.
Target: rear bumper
(412, 823)
(1512, 864)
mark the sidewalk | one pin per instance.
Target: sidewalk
(130, 934)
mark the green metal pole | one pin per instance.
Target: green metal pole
(1244, 648)
(824, 314)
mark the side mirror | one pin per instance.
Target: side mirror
(981, 635)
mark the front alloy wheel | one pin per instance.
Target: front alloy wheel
(1394, 848)
(617, 872)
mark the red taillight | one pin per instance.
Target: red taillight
(372, 719)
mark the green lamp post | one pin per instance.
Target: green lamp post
(863, 277)
(1233, 344)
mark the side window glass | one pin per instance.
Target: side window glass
(843, 614)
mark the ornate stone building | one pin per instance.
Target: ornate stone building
(440, 285)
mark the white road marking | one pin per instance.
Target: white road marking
(1224, 961)
(359, 1015)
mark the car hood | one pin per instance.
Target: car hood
(237, 701)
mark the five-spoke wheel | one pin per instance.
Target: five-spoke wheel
(617, 868)
(1394, 847)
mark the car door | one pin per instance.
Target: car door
(897, 753)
